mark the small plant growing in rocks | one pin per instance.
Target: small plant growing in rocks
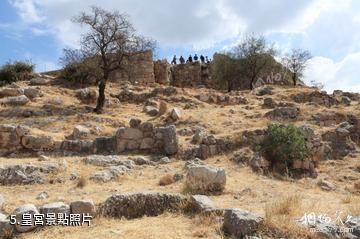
(283, 145)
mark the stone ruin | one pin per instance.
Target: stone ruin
(144, 137)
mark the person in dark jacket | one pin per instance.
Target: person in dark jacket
(202, 59)
(174, 60)
(196, 58)
(190, 59)
(182, 60)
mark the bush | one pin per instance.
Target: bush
(17, 71)
(284, 144)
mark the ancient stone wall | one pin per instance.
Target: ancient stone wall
(139, 136)
(138, 68)
(190, 75)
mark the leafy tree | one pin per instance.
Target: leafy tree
(16, 71)
(110, 40)
(225, 69)
(296, 62)
(254, 52)
(284, 144)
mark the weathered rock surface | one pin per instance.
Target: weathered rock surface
(109, 160)
(283, 113)
(202, 203)
(9, 92)
(136, 205)
(87, 95)
(17, 100)
(202, 178)
(6, 230)
(240, 223)
(19, 212)
(38, 142)
(56, 207)
(39, 81)
(25, 174)
(83, 207)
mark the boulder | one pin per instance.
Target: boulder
(135, 123)
(175, 114)
(354, 224)
(87, 95)
(170, 139)
(42, 195)
(56, 207)
(202, 178)
(108, 160)
(38, 142)
(8, 92)
(28, 209)
(150, 110)
(6, 230)
(32, 93)
(202, 203)
(241, 223)
(80, 132)
(83, 207)
(269, 103)
(17, 100)
(129, 133)
(39, 81)
(243, 156)
(23, 174)
(283, 113)
(109, 174)
(136, 205)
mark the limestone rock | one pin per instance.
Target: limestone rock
(56, 207)
(42, 195)
(32, 93)
(129, 133)
(39, 81)
(150, 110)
(6, 230)
(25, 209)
(80, 132)
(170, 139)
(135, 123)
(240, 223)
(202, 203)
(205, 179)
(243, 156)
(9, 92)
(175, 114)
(136, 205)
(17, 100)
(283, 113)
(87, 95)
(38, 143)
(83, 207)
(108, 160)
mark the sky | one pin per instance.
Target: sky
(38, 30)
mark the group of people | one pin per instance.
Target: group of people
(191, 59)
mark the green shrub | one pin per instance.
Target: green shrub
(284, 144)
(17, 71)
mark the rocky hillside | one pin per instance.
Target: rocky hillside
(169, 162)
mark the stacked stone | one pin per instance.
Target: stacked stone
(138, 137)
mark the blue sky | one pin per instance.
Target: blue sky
(40, 29)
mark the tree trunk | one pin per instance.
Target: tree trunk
(294, 78)
(229, 85)
(251, 83)
(101, 98)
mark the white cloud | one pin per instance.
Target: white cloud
(342, 75)
(27, 10)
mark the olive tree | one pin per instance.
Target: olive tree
(110, 40)
(255, 55)
(296, 62)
